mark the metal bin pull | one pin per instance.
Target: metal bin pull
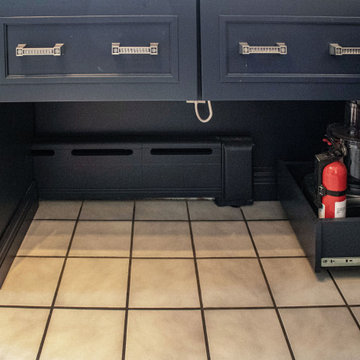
(153, 49)
(22, 50)
(338, 50)
(279, 49)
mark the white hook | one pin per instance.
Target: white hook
(196, 106)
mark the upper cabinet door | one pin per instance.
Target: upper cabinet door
(254, 51)
(146, 51)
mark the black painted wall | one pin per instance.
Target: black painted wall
(281, 130)
(287, 130)
(16, 132)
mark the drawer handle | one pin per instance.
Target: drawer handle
(246, 49)
(22, 50)
(338, 50)
(153, 49)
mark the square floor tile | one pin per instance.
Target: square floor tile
(161, 210)
(348, 281)
(47, 238)
(164, 283)
(94, 283)
(61, 210)
(31, 281)
(255, 334)
(264, 210)
(164, 335)
(102, 238)
(222, 239)
(107, 210)
(21, 331)
(162, 239)
(232, 283)
(294, 283)
(356, 311)
(208, 210)
(84, 334)
(275, 238)
(322, 333)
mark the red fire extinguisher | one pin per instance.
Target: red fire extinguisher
(333, 191)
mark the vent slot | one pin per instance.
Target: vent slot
(179, 151)
(102, 152)
(42, 152)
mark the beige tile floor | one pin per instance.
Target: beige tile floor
(172, 280)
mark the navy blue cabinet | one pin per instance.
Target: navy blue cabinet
(279, 50)
(142, 51)
(148, 50)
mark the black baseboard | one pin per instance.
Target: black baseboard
(265, 189)
(265, 184)
(16, 230)
(122, 194)
(218, 167)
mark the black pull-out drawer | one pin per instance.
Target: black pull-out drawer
(326, 242)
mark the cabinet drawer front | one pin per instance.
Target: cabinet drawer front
(256, 56)
(303, 55)
(120, 48)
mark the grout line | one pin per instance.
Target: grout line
(198, 284)
(68, 220)
(216, 221)
(126, 318)
(107, 308)
(284, 257)
(276, 307)
(270, 291)
(111, 257)
(267, 220)
(164, 309)
(60, 307)
(112, 220)
(214, 308)
(249, 257)
(41, 256)
(159, 220)
(58, 285)
(224, 257)
(344, 299)
(97, 257)
(24, 307)
(162, 257)
(310, 306)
